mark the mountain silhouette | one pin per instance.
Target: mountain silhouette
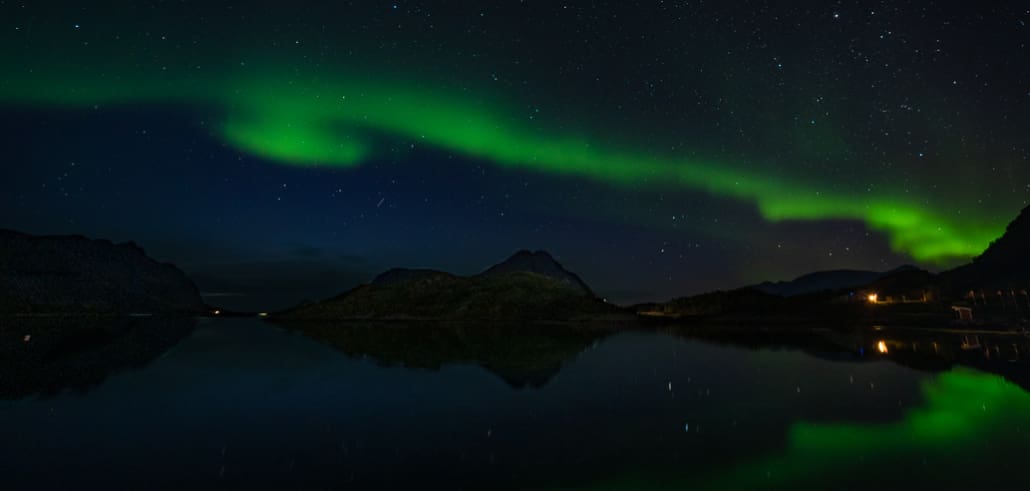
(826, 281)
(74, 274)
(526, 286)
(541, 263)
(1003, 265)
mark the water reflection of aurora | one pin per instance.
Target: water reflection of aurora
(972, 423)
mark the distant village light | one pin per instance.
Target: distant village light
(881, 346)
(873, 297)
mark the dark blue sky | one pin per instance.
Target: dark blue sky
(874, 112)
(242, 225)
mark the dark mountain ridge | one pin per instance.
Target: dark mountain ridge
(74, 274)
(826, 280)
(400, 275)
(526, 286)
(1000, 278)
(1005, 264)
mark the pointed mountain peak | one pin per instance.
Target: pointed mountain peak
(539, 262)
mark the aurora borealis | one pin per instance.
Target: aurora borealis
(761, 143)
(963, 408)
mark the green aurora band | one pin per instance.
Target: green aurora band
(343, 121)
(966, 412)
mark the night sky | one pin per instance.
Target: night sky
(278, 151)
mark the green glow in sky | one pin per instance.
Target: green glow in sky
(344, 121)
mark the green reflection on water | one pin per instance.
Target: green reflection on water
(972, 426)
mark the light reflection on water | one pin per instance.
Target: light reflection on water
(240, 403)
(970, 433)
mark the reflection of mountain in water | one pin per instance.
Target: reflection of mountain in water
(522, 355)
(47, 355)
(1005, 354)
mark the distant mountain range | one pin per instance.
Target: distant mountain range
(526, 286)
(826, 280)
(1003, 270)
(73, 274)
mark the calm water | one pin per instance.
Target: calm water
(242, 404)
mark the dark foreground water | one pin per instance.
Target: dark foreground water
(242, 404)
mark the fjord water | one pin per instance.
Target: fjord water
(241, 403)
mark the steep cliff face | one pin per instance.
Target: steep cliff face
(1005, 264)
(73, 274)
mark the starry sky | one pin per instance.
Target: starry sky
(279, 151)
